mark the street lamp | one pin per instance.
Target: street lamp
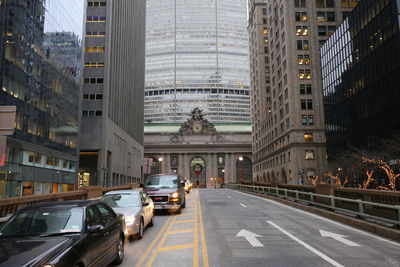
(160, 164)
(241, 168)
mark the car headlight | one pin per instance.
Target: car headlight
(186, 187)
(175, 195)
(47, 265)
(129, 219)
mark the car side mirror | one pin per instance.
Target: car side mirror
(144, 204)
(182, 184)
(95, 228)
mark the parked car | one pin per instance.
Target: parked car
(137, 208)
(61, 234)
(166, 191)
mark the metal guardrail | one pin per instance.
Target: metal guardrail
(331, 200)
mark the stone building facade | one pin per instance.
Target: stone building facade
(199, 150)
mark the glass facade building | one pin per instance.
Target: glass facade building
(197, 56)
(360, 69)
(41, 155)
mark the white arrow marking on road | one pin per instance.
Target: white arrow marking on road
(340, 238)
(243, 205)
(250, 237)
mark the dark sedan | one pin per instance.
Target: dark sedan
(69, 233)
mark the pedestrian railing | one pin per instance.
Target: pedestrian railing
(361, 209)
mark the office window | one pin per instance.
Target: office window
(94, 65)
(301, 16)
(304, 74)
(306, 104)
(299, 3)
(308, 137)
(309, 155)
(94, 49)
(331, 30)
(34, 157)
(310, 119)
(305, 89)
(93, 80)
(303, 59)
(302, 45)
(330, 16)
(321, 30)
(301, 30)
(304, 119)
(95, 34)
(321, 17)
(95, 19)
(319, 3)
(350, 3)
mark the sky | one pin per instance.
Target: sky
(64, 15)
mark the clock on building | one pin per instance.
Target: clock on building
(197, 127)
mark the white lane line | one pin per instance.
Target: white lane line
(229, 197)
(243, 205)
(307, 246)
(322, 218)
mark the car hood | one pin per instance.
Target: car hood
(160, 191)
(127, 211)
(30, 251)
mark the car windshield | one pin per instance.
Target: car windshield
(122, 200)
(44, 221)
(162, 182)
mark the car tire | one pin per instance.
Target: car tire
(120, 251)
(183, 205)
(178, 211)
(139, 235)
(151, 223)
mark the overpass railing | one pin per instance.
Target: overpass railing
(360, 208)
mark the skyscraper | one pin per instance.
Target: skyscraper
(111, 136)
(197, 55)
(41, 155)
(289, 142)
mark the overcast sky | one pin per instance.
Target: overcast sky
(64, 15)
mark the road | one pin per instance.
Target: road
(222, 227)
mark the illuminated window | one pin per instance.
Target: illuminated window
(302, 45)
(309, 155)
(303, 59)
(34, 157)
(301, 30)
(97, 4)
(94, 64)
(308, 137)
(301, 16)
(95, 19)
(94, 49)
(304, 74)
(95, 34)
(321, 17)
(350, 3)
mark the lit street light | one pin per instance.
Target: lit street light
(160, 164)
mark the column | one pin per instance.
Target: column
(208, 169)
(181, 167)
(168, 163)
(215, 165)
(186, 166)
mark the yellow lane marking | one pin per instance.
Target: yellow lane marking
(161, 243)
(185, 214)
(186, 221)
(181, 231)
(175, 247)
(145, 254)
(203, 237)
(196, 235)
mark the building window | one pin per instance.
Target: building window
(304, 74)
(94, 49)
(321, 17)
(309, 155)
(95, 19)
(93, 80)
(306, 104)
(330, 16)
(34, 157)
(307, 119)
(331, 30)
(299, 3)
(321, 30)
(301, 30)
(95, 34)
(308, 137)
(303, 59)
(301, 16)
(97, 4)
(305, 89)
(94, 65)
(350, 3)
(302, 45)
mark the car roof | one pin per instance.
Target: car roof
(130, 191)
(71, 203)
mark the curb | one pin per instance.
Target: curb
(379, 230)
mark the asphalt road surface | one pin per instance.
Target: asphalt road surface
(222, 227)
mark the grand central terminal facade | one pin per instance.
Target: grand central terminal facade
(202, 152)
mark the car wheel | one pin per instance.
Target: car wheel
(120, 251)
(184, 204)
(178, 211)
(139, 235)
(151, 223)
